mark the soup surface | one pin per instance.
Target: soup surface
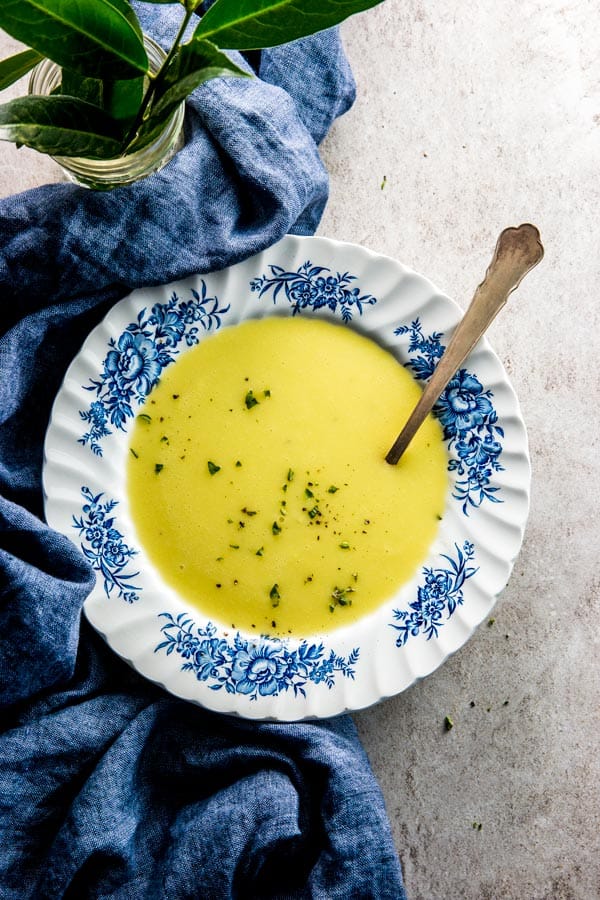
(257, 479)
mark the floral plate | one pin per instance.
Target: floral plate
(407, 637)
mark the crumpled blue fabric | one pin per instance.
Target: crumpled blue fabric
(109, 787)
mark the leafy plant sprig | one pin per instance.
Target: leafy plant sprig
(108, 103)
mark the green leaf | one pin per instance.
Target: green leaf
(125, 9)
(119, 99)
(93, 37)
(122, 99)
(60, 126)
(72, 84)
(194, 63)
(256, 24)
(15, 67)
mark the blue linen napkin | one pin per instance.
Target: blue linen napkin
(109, 787)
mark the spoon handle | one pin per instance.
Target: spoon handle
(518, 250)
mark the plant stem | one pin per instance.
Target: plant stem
(156, 80)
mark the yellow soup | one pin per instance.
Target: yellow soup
(258, 484)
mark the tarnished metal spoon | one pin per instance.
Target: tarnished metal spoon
(518, 250)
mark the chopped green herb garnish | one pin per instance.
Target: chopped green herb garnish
(260, 551)
(276, 528)
(448, 723)
(332, 489)
(248, 512)
(158, 467)
(491, 622)
(145, 417)
(133, 453)
(164, 439)
(275, 595)
(314, 512)
(383, 182)
(290, 475)
(250, 400)
(213, 468)
(238, 464)
(308, 492)
(175, 396)
(340, 596)
(266, 393)
(344, 545)
(235, 546)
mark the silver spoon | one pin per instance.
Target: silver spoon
(518, 250)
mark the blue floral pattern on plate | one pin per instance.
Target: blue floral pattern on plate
(309, 287)
(103, 545)
(263, 676)
(441, 592)
(255, 668)
(468, 418)
(137, 357)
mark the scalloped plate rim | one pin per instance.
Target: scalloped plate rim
(281, 706)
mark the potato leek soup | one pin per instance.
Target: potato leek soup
(258, 484)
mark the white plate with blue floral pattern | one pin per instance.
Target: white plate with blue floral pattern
(408, 636)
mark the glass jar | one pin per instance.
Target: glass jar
(103, 174)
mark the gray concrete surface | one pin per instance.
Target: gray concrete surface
(481, 116)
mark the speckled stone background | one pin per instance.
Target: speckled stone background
(479, 116)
